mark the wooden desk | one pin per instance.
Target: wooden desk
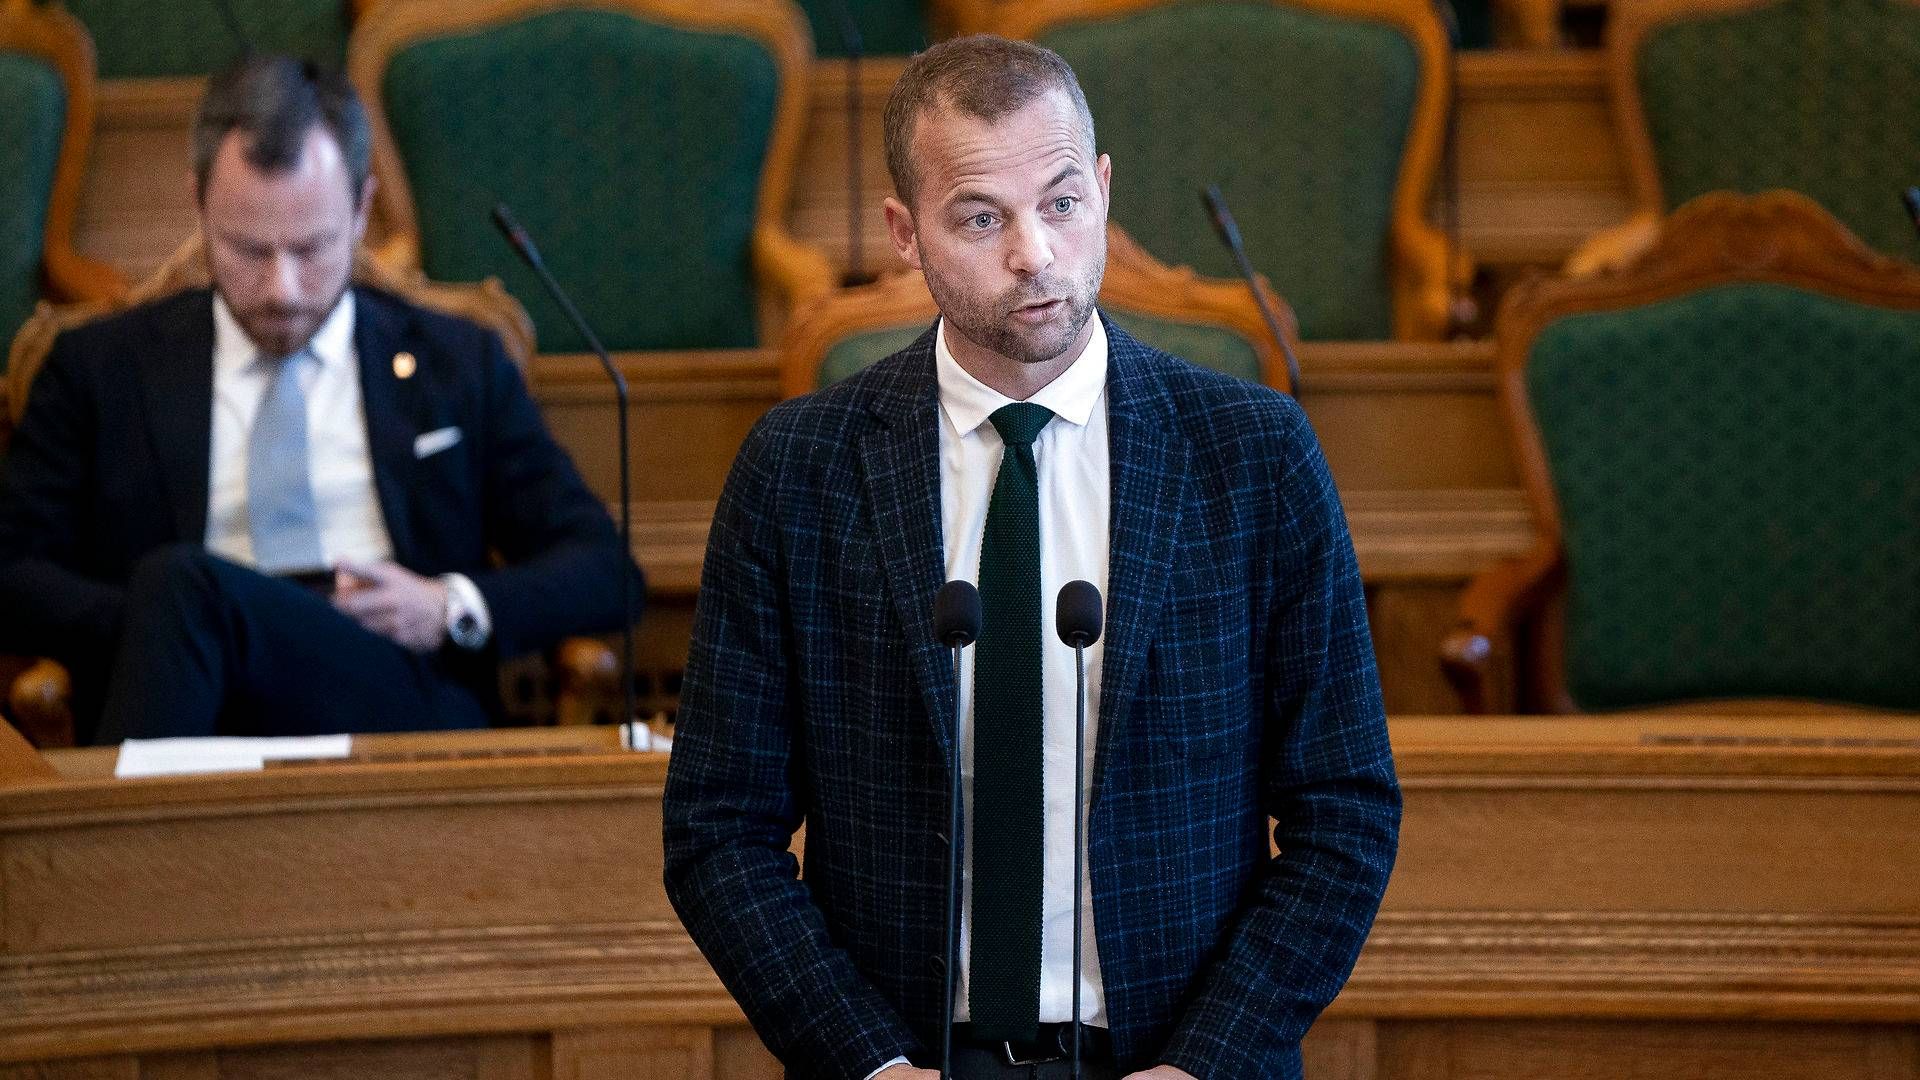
(1681, 896)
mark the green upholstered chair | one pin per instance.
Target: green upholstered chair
(1815, 96)
(46, 119)
(648, 145)
(1721, 445)
(1211, 322)
(1330, 185)
(145, 39)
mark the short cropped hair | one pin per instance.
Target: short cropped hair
(982, 75)
(275, 101)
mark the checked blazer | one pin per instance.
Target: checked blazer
(1239, 685)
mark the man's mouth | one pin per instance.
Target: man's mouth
(1039, 310)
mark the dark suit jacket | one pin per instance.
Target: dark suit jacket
(1239, 683)
(111, 462)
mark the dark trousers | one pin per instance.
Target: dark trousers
(972, 1063)
(209, 647)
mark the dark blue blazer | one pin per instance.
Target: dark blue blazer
(1239, 685)
(111, 462)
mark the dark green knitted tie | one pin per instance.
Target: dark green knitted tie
(1003, 999)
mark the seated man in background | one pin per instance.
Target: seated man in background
(273, 507)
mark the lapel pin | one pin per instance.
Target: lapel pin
(403, 365)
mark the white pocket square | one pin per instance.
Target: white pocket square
(435, 441)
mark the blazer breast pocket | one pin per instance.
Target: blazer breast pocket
(433, 442)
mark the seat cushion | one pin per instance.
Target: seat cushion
(1813, 95)
(1738, 474)
(632, 152)
(33, 109)
(155, 38)
(1259, 99)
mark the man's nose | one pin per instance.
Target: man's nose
(1030, 250)
(281, 282)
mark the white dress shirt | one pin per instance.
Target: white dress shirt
(1075, 499)
(339, 465)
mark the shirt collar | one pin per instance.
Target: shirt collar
(332, 344)
(1071, 396)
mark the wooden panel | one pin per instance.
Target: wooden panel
(1611, 1051)
(1629, 896)
(137, 203)
(1540, 168)
(658, 1053)
(738, 1054)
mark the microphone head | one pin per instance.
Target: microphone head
(1911, 197)
(956, 614)
(503, 219)
(1077, 613)
(1223, 224)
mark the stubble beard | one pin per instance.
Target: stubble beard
(989, 324)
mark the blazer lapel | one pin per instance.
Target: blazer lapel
(1149, 463)
(389, 402)
(900, 466)
(177, 381)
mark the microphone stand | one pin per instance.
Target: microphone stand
(1229, 233)
(1079, 824)
(523, 244)
(951, 963)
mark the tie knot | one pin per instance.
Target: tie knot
(1020, 423)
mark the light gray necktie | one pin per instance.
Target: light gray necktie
(281, 517)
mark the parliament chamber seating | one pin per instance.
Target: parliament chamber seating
(39, 694)
(647, 145)
(1721, 446)
(1330, 187)
(1814, 96)
(1211, 322)
(46, 124)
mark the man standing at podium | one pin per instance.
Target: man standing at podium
(1024, 441)
(275, 506)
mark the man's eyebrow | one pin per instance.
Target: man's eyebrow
(965, 195)
(1063, 175)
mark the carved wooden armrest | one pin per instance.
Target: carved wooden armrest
(798, 270)
(1614, 247)
(586, 680)
(1432, 278)
(1490, 606)
(41, 702)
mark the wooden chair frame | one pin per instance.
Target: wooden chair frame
(1630, 24)
(1423, 283)
(51, 34)
(1134, 280)
(587, 670)
(1779, 237)
(782, 263)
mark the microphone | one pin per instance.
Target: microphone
(1911, 199)
(1076, 614)
(1229, 233)
(851, 40)
(956, 625)
(1462, 310)
(523, 246)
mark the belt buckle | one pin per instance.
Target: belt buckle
(1008, 1056)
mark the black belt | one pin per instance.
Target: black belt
(1050, 1043)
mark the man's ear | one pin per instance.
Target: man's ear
(1103, 168)
(901, 230)
(363, 209)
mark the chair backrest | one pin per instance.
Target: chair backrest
(1817, 96)
(486, 303)
(145, 39)
(646, 144)
(1724, 441)
(1329, 185)
(1210, 322)
(887, 27)
(46, 120)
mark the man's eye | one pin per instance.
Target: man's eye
(981, 221)
(1064, 204)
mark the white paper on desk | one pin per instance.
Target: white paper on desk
(180, 757)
